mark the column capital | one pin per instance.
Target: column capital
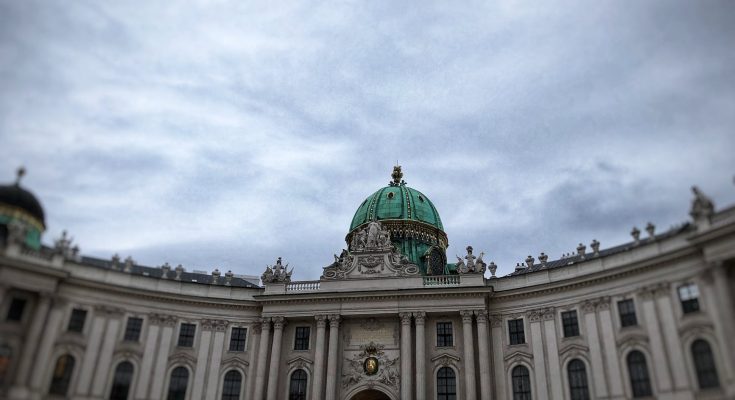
(279, 322)
(334, 320)
(466, 316)
(321, 320)
(405, 318)
(419, 317)
(548, 313)
(482, 317)
(162, 319)
(256, 327)
(219, 325)
(496, 320)
(265, 324)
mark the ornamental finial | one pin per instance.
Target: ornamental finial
(397, 176)
(19, 174)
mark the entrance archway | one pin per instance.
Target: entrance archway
(370, 394)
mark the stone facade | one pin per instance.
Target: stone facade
(375, 334)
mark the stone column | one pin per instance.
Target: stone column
(539, 362)
(104, 362)
(420, 320)
(660, 363)
(552, 350)
(405, 356)
(253, 346)
(218, 344)
(318, 381)
(262, 358)
(483, 354)
(671, 337)
(612, 360)
(718, 303)
(469, 355)
(45, 348)
(496, 324)
(89, 361)
(332, 357)
(278, 324)
(593, 339)
(168, 323)
(30, 344)
(200, 370)
(149, 354)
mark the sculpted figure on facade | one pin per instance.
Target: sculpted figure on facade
(277, 273)
(702, 205)
(371, 365)
(474, 263)
(373, 237)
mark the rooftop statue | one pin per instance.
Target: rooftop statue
(277, 273)
(702, 206)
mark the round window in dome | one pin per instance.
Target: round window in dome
(421, 198)
(391, 195)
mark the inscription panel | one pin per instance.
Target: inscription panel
(361, 332)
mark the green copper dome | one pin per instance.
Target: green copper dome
(397, 202)
(414, 224)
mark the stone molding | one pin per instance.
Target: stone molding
(446, 360)
(654, 291)
(109, 311)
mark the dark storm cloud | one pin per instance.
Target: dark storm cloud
(225, 134)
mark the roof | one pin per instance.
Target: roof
(397, 202)
(576, 258)
(16, 196)
(157, 272)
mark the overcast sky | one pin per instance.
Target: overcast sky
(225, 134)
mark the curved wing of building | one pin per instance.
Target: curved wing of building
(390, 317)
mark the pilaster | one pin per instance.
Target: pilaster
(332, 357)
(420, 320)
(405, 355)
(469, 355)
(278, 324)
(318, 384)
(483, 353)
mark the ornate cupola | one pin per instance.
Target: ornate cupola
(21, 215)
(410, 218)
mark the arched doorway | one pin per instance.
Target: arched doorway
(370, 395)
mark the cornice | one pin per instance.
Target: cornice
(475, 292)
(165, 297)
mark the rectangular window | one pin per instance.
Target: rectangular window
(186, 335)
(237, 339)
(570, 323)
(15, 312)
(444, 334)
(626, 309)
(301, 339)
(132, 329)
(689, 296)
(515, 331)
(76, 322)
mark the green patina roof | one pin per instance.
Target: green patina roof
(397, 202)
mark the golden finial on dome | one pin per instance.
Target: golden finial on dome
(19, 173)
(397, 176)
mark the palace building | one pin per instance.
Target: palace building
(390, 318)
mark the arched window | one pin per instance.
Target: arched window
(5, 355)
(638, 371)
(122, 380)
(231, 386)
(297, 389)
(446, 384)
(577, 374)
(521, 383)
(704, 363)
(62, 375)
(178, 383)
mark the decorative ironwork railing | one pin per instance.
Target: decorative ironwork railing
(441, 280)
(299, 286)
